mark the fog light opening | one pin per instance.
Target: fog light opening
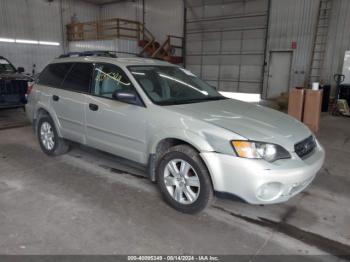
(270, 191)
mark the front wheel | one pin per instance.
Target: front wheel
(184, 180)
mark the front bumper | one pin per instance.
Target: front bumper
(260, 182)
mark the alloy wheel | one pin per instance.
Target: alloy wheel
(47, 136)
(181, 181)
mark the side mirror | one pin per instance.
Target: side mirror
(20, 70)
(127, 97)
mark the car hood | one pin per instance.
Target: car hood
(251, 121)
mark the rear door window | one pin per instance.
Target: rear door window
(54, 74)
(79, 78)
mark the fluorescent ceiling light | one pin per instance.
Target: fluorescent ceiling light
(48, 43)
(23, 41)
(28, 41)
(252, 98)
(8, 40)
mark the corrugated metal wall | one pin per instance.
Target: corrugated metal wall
(156, 12)
(225, 42)
(37, 20)
(162, 17)
(121, 45)
(82, 10)
(338, 39)
(293, 21)
(131, 10)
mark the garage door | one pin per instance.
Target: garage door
(225, 42)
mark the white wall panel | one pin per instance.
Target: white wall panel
(290, 21)
(164, 17)
(225, 42)
(82, 10)
(126, 10)
(131, 10)
(338, 40)
(79, 12)
(121, 45)
(293, 21)
(41, 21)
(34, 19)
(26, 55)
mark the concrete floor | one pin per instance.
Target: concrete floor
(82, 203)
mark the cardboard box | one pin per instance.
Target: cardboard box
(312, 109)
(296, 103)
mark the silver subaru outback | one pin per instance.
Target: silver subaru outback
(194, 142)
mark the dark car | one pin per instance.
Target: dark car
(13, 85)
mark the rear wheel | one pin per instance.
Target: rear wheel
(49, 140)
(184, 180)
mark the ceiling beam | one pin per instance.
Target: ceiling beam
(103, 2)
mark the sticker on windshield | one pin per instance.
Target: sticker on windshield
(187, 72)
(4, 62)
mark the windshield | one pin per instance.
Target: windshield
(6, 67)
(170, 85)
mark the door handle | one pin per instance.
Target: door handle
(93, 107)
(55, 98)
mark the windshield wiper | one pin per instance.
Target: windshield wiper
(204, 99)
(190, 101)
(216, 98)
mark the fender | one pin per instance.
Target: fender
(186, 135)
(52, 114)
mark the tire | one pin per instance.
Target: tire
(184, 180)
(58, 145)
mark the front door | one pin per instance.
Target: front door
(279, 73)
(113, 126)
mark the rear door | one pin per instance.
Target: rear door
(49, 82)
(69, 100)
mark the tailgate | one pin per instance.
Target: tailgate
(12, 92)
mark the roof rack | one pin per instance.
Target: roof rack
(104, 53)
(89, 53)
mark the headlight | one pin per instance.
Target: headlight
(259, 150)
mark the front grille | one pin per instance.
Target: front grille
(305, 147)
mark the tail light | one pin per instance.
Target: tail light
(29, 89)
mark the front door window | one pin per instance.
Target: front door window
(110, 79)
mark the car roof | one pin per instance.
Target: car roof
(125, 61)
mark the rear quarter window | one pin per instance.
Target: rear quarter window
(79, 78)
(54, 74)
